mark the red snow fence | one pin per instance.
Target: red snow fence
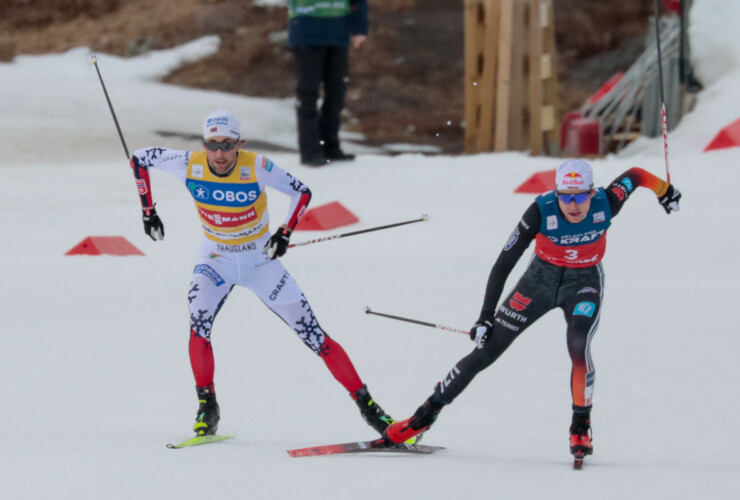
(726, 138)
(538, 183)
(328, 216)
(104, 245)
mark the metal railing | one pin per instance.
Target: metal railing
(634, 102)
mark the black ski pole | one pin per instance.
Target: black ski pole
(94, 59)
(423, 218)
(663, 119)
(416, 322)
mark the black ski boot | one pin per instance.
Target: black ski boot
(206, 421)
(580, 432)
(413, 427)
(371, 411)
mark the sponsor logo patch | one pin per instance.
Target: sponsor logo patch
(279, 286)
(588, 289)
(227, 195)
(227, 219)
(599, 217)
(519, 302)
(584, 309)
(619, 192)
(506, 324)
(449, 378)
(141, 186)
(552, 222)
(210, 272)
(512, 239)
(197, 171)
(513, 315)
(245, 173)
(628, 184)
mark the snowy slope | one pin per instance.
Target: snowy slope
(95, 348)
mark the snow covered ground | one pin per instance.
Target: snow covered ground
(94, 350)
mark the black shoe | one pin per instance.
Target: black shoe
(206, 421)
(316, 161)
(339, 155)
(371, 411)
(580, 431)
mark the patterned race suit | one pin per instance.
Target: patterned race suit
(233, 212)
(565, 272)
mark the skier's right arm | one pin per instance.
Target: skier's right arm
(169, 160)
(518, 242)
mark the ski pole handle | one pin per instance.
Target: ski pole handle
(423, 218)
(417, 322)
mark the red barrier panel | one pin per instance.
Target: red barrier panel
(538, 183)
(328, 216)
(726, 138)
(109, 245)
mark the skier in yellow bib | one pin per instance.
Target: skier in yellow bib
(228, 187)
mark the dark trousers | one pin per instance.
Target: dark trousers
(318, 131)
(543, 287)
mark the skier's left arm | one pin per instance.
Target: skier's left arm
(623, 186)
(275, 177)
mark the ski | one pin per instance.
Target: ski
(377, 446)
(195, 441)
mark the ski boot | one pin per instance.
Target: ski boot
(371, 411)
(206, 421)
(580, 436)
(410, 428)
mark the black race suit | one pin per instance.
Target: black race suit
(544, 285)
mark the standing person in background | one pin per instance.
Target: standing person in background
(228, 187)
(319, 34)
(568, 226)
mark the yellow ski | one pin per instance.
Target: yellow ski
(199, 440)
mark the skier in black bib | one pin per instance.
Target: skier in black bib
(569, 227)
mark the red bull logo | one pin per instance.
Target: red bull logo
(573, 179)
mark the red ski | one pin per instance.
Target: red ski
(377, 446)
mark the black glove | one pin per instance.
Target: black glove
(152, 223)
(479, 333)
(277, 245)
(670, 199)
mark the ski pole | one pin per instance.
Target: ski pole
(94, 59)
(423, 218)
(416, 322)
(663, 119)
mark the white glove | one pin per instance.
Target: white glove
(479, 333)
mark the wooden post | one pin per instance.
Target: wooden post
(488, 94)
(518, 91)
(550, 92)
(503, 80)
(481, 18)
(509, 48)
(536, 73)
(472, 73)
